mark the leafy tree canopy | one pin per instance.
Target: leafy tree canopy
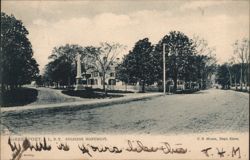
(18, 66)
(138, 65)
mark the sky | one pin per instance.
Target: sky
(55, 23)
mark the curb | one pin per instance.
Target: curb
(77, 105)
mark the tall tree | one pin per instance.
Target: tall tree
(179, 48)
(241, 55)
(138, 65)
(223, 76)
(124, 73)
(17, 65)
(104, 56)
(204, 61)
(62, 67)
(234, 70)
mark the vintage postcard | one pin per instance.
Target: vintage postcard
(124, 79)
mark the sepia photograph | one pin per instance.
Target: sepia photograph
(124, 79)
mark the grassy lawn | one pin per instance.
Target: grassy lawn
(186, 91)
(18, 97)
(111, 91)
(92, 93)
(243, 90)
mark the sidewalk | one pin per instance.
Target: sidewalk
(239, 90)
(89, 103)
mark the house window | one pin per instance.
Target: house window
(95, 74)
(102, 82)
(112, 74)
(96, 82)
(112, 82)
(91, 81)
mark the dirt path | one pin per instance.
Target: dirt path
(50, 96)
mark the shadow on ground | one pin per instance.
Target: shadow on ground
(18, 97)
(90, 94)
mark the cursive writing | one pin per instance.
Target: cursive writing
(40, 146)
(18, 150)
(88, 147)
(84, 150)
(205, 151)
(138, 146)
(63, 147)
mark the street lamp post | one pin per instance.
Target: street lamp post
(164, 68)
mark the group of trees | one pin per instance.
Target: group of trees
(189, 60)
(236, 72)
(62, 67)
(17, 65)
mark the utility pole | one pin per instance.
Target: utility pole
(164, 68)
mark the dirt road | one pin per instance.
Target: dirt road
(206, 111)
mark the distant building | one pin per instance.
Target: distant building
(94, 78)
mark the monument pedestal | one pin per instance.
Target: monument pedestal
(79, 86)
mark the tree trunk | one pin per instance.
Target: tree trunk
(245, 80)
(143, 86)
(69, 82)
(201, 84)
(103, 84)
(175, 84)
(11, 87)
(230, 78)
(2, 87)
(235, 83)
(241, 70)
